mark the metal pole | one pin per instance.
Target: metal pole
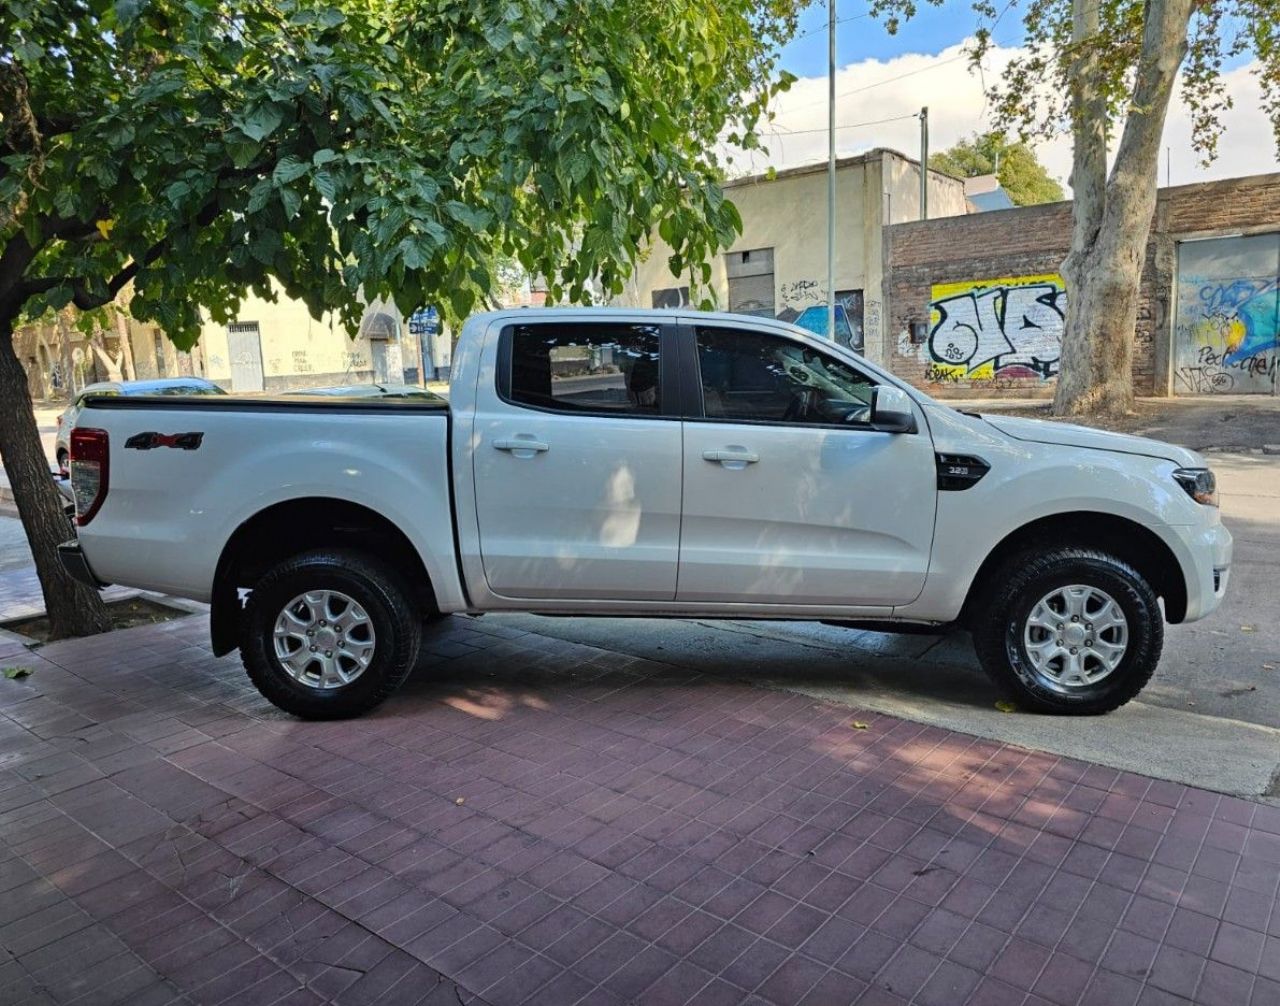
(831, 169)
(924, 163)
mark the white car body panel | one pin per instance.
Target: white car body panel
(624, 515)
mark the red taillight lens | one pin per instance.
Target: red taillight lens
(90, 471)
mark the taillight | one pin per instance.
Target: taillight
(90, 470)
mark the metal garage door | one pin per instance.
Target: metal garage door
(1227, 321)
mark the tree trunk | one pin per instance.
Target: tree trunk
(1111, 221)
(126, 346)
(74, 609)
(98, 342)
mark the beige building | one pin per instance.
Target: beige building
(279, 346)
(269, 347)
(778, 266)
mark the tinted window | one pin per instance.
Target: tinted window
(585, 368)
(753, 376)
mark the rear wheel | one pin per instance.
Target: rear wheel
(1073, 630)
(329, 634)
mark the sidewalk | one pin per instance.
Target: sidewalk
(538, 821)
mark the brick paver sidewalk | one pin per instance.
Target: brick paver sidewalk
(533, 821)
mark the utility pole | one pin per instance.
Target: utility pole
(831, 170)
(924, 163)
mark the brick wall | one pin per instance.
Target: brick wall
(964, 256)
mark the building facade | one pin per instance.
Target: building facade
(976, 306)
(278, 346)
(778, 266)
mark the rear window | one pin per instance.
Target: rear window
(583, 367)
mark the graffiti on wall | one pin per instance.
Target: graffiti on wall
(1228, 335)
(996, 330)
(805, 304)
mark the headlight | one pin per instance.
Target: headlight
(1199, 483)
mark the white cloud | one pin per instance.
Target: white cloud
(875, 90)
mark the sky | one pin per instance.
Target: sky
(883, 77)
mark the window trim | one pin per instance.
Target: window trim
(693, 407)
(670, 385)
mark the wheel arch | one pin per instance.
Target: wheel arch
(292, 526)
(1133, 543)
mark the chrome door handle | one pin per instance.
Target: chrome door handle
(521, 446)
(732, 457)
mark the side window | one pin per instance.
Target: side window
(583, 367)
(755, 377)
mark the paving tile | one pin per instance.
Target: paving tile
(630, 832)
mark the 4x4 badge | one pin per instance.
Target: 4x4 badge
(146, 441)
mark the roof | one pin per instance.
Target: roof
(997, 200)
(816, 167)
(985, 192)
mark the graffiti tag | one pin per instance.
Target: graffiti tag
(1227, 334)
(1005, 328)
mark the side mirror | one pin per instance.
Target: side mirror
(891, 410)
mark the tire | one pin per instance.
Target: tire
(64, 461)
(1032, 660)
(383, 629)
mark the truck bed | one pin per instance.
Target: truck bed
(186, 472)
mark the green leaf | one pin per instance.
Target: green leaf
(259, 195)
(325, 184)
(13, 673)
(261, 122)
(291, 202)
(288, 169)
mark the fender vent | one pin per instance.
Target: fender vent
(960, 471)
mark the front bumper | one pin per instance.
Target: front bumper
(73, 561)
(1209, 572)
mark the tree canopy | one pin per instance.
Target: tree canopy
(1014, 164)
(354, 149)
(349, 150)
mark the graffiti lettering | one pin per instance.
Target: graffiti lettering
(1007, 328)
(802, 291)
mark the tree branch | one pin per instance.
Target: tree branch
(87, 300)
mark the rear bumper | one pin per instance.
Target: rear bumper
(73, 561)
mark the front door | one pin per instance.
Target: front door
(790, 497)
(577, 463)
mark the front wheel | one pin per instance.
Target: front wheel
(1073, 630)
(329, 634)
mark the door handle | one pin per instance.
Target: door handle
(732, 457)
(521, 446)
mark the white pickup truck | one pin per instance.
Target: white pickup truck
(618, 462)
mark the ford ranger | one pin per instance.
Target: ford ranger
(619, 462)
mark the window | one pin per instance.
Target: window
(751, 376)
(583, 368)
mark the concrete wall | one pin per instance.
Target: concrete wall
(976, 305)
(788, 214)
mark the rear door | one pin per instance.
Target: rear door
(790, 496)
(577, 462)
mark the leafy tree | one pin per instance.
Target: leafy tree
(1015, 166)
(351, 149)
(1100, 70)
